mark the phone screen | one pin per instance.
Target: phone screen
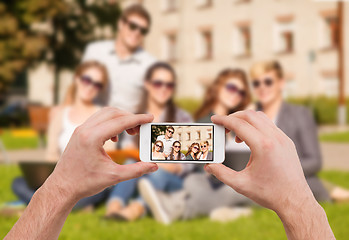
(182, 142)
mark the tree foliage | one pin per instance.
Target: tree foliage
(56, 31)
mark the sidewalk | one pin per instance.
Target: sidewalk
(26, 155)
(335, 156)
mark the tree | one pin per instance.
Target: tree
(156, 131)
(59, 31)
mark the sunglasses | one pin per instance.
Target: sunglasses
(177, 146)
(158, 145)
(172, 132)
(134, 27)
(267, 82)
(159, 84)
(234, 89)
(88, 81)
(196, 148)
(203, 146)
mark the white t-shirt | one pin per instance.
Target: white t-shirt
(126, 76)
(167, 143)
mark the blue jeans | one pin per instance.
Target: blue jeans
(161, 180)
(25, 194)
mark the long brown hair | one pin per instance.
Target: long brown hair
(170, 115)
(190, 150)
(172, 156)
(212, 92)
(80, 69)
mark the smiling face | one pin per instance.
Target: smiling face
(132, 30)
(204, 147)
(231, 93)
(169, 132)
(176, 147)
(195, 148)
(267, 87)
(158, 146)
(160, 86)
(89, 84)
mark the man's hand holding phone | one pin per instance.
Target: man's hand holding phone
(273, 177)
(83, 170)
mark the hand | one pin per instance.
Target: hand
(84, 168)
(273, 176)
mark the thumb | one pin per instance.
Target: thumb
(135, 170)
(224, 174)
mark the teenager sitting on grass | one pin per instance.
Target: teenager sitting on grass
(124, 202)
(89, 80)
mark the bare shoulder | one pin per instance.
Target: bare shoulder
(56, 111)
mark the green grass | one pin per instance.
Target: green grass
(263, 224)
(340, 137)
(15, 143)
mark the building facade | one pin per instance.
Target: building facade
(201, 37)
(190, 134)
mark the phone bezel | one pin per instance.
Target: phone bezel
(218, 139)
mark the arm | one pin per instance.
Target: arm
(45, 215)
(309, 149)
(273, 177)
(83, 170)
(54, 128)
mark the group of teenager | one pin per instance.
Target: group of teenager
(121, 74)
(167, 148)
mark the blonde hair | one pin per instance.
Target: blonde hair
(263, 67)
(203, 142)
(80, 69)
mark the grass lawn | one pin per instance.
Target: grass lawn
(341, 137)
(263, 224)
(19, 139)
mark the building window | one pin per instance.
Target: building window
(284, 35)
(329, 29)
(170, 47)
(188, 136)
(204, 44)
(169, 5)
(242, 39)
(330, 83)
(203, 3)
(209, 135)
(198, 135)
(179, 136)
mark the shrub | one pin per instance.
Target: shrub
(323, 108)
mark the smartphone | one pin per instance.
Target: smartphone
(182, 143)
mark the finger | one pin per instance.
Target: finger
(133, 131)
(105, 114)
(258, 120)
(224, 174)
(113, 127)
(245, 131)
(134, 170)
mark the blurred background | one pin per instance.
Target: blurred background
(42, 42)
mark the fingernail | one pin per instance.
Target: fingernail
(154, 168)
(208, 168)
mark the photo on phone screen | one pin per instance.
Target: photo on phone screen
(182, 142)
